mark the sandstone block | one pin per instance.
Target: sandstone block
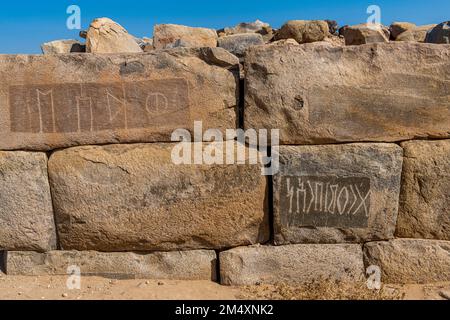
(57, 101)
(398, 28)
(172, 35)
(26, 214)
(408, 261)
(304, 31)
(134, 198)
(439, 34)
(182, 265)
(337, 194)
(107, 36)
(294, 264)
(417, 34)
(318, 93)
(237, 44)
(63, 46)
(364, 34)
(425, 198)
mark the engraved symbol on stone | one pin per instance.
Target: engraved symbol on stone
(324, 201)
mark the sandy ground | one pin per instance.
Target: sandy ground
(93, 288)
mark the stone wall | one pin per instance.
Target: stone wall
(87, 178)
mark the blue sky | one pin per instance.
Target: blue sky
(25, 24)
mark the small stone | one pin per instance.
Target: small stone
(65, 295)
(332, 26)
(160, 283)
(445, 294)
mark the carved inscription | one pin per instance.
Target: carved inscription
(92, 107)
(324, 201)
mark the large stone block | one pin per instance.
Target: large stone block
(186, 265)
(294, 264)
(26, 214)
(317, 93)
(133, 197)
(410, 261)
(425, 197)
(49, 102)
(337, 193)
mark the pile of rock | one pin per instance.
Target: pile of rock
(107, 36)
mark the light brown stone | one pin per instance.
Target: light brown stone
(56, 101)
(26, 214)
(294, 264)
(107, 36)
(398, 28)
(63, 46)
(303, 31)
(337, 194)
(416, 34)
(317, 93)
(407, 261)
(425, 197)
(365, 33)
(182, 265)
(134, 198)
(172, 35)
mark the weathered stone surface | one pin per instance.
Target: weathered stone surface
(337, 194)
(398, 28)
(303, 31)
(237, 44)
(332, 26)
(294, 264)
(107, 36)
(133, 197)
(245, 27)
(259, 27)
(317, 93)
(410, 261)
(26, 214)
(172, 35)
(417, 34)
(439, 34)
(63, 46)
(49, 102)
(183, 265)
(364, 34)
(425, 198)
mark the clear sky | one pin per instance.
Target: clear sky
(25, 24)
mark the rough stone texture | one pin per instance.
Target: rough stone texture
(398, 28)
(237, 44)
(332, 26)
(439, 34)
(183, 265)
(303, 31)
(63, 46)
(172, 35)
(364, 34)
(417, 34)
(337, 194)
(294, 264)
(132, 197)
(49, 102)
(425, 198)
(107, 36)
(407, 261)
(259, 27)
(317, 93)
(26, 214)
